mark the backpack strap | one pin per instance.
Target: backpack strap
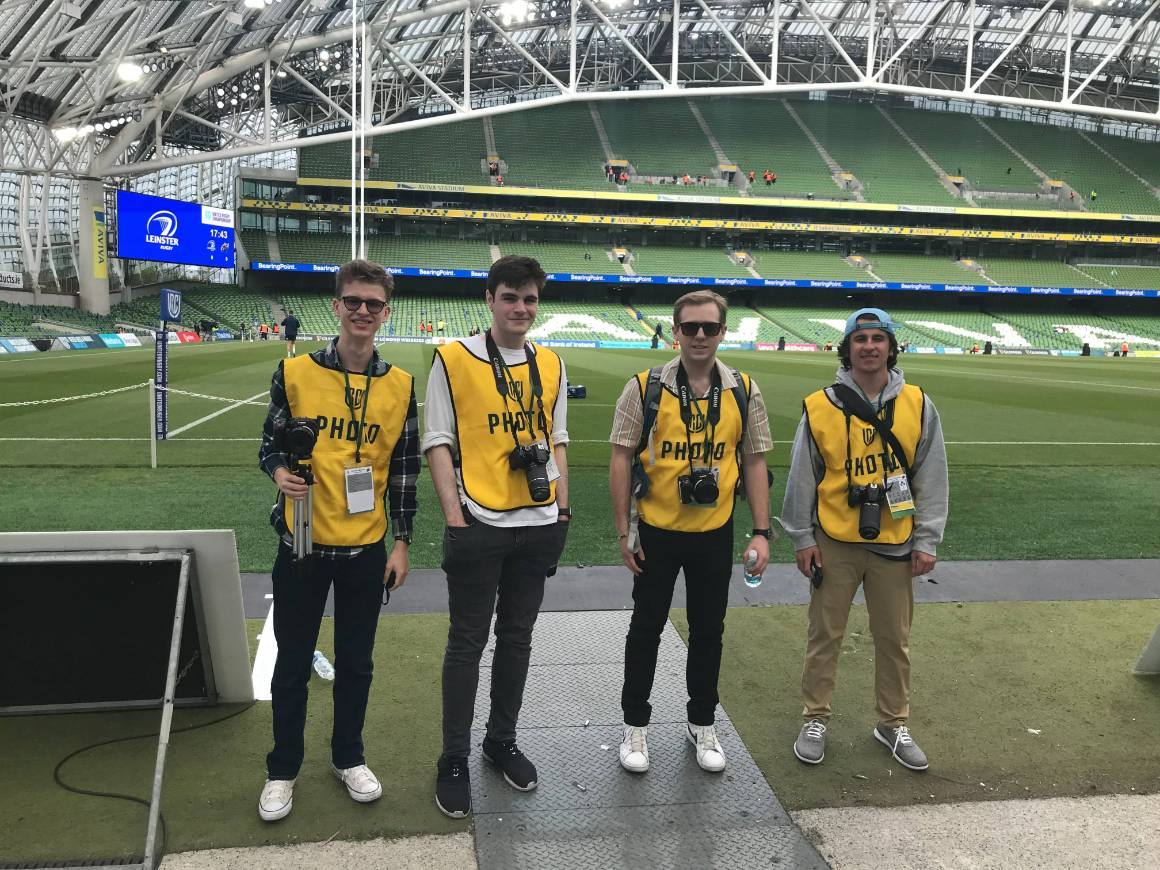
(652, 406)
(861, 409)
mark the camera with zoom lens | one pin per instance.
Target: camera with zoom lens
(698, 487)
(533, 459)
(296, 437)
(870, 498)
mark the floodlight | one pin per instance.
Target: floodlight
(220, 104)
(254, 4)
(324, 55)
(65, 134)
(281, 73)
(129, 71)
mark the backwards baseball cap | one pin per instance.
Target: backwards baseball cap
(881, 321)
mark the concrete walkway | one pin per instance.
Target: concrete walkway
(610, 588)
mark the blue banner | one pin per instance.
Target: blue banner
(689, 280)
(170, 306)
(172, 231)
(161, 379)
(111, 340)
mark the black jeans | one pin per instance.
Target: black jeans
(298, 605)
(501, 570)
(707, 560)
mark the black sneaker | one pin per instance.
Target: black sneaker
(517, 770)
(453, 787)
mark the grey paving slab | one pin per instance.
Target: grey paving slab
(592, 637)
(610, 587)
(679, 837)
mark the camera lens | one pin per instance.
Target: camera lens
(869, 520)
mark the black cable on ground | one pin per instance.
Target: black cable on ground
(128, 797)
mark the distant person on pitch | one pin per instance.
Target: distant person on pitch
(865, 505)
(706, 443)
(365, 464)
(290, 326)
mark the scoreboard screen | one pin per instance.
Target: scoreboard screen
(172, 231)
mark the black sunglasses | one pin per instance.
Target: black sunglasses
(354, 303)
(690, 328)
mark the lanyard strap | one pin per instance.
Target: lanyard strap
(713, 417)
(501, 372)
(350, 404)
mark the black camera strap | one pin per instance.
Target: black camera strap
(712, 417)
(860, 408)
(365, 402)
(501, 372)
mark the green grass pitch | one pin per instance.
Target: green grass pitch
(1049, 457)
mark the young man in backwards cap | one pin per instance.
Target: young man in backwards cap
(859, 513)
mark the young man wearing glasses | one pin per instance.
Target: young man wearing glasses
(865, 504)
(707, 440)
(364, 466)
(496, 439)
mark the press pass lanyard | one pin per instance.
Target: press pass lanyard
(350, 404)
(685, 395)
(499, 368)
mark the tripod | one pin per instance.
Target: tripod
(303, 512)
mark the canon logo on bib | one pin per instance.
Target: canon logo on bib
(161, 229)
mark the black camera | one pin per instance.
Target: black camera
(533, 459)
(870, 497)
(699, 486)
(296, 437)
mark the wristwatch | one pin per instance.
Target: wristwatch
(565, 512)
(765, 533)
(406, 539)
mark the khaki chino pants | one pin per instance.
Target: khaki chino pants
(889, 590)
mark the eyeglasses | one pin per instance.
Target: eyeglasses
(690, 328)
(354, 303)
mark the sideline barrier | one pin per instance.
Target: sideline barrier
(681, 280)
(17, 344)
(112, 340)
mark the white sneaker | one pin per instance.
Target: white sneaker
(634, 749)
(277, 799)
(362, 785)
(710, 755)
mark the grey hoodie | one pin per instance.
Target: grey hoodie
(799, 512)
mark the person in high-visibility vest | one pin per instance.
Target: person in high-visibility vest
(865, 505)
(365, 462)
(496, 441)
(707, 442)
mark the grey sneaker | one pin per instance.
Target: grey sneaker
(810, 746)
(901, 746)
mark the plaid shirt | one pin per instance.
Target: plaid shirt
(403, 473)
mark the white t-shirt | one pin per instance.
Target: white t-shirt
(439, 428)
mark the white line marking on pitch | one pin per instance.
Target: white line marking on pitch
(265, 658)
(209, 417)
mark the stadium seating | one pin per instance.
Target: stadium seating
(759, 134)
(1128, 277)
(1065, 155)
(528, 142)
(429, 252)
(446, 154)
(708, 262)
(804, 265)
(229, 306)
(660, 137)
(566, 257)
(254, 243)
(1041, 203)
(918, 267)
(958, 142)
(1141, 157)
(864, 143)
(314, 247)
(1039, 273)
(313, 311)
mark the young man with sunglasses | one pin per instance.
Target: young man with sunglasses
(707, 441)
(865, 505)
(496, 440)
(363, 469)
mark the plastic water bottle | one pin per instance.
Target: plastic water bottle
(751, 579)
(325, 669)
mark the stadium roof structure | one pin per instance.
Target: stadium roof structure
(113, 89)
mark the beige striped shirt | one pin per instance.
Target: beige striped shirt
(628, 418)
